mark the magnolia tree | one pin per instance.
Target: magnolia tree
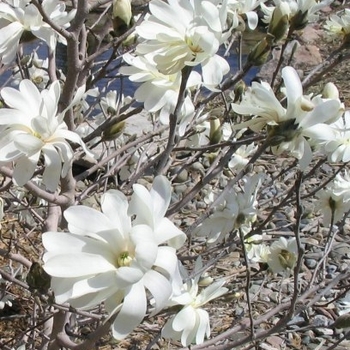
(118, 212)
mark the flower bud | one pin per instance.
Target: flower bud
(258, 55)
(280, 21)
(299, 20)
(330, 91)
(122, 16)
(215, 133)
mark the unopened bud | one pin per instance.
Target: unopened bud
(299, 20)
(258, 55)
(215, 133)
(330, 91)
(280, 21)
(122, 16)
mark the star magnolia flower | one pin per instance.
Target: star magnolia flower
(21, 17)
(339, 25)
(341, 186)
(241, 157)
(239, 8)
(332, 202)
(37, 72)
(237, 210)
(31, 128)
(283, 255)
(300, 12)
(191, 324)
(159, 92)
(292, 128)
(336, 142)
(107, 257)
(186, 33)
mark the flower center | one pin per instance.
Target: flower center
(286, 259)
(124, 259)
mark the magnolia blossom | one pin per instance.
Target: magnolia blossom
(336, 142)
(37, 72)
(290, 129)
(341, 186)
(21, 17)
(159, 92)
(186, 33)
(334, 200)
(258, 253)
(299, 12)
(32, 128)
(235, 210)
(283, 255)
(241, 157)
(239, 8)
(339, 25)
(191, 324)
(106, 256)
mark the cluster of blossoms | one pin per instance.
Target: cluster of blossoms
(236, 210)
(301, 126)
(20, 21)
(340, 25)
(119, 254)
(290, 14)
(31, 128)
(175, 35)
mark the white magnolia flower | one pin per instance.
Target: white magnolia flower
(336, 142)
(300, 12)
(191, 324)
(107, 257)
(291, 128)
(186, 33)
(31, 127)
(237, 210)
(339, 25)
(283, 255)
(330, 202)
(37, 72)
(241, 157)
(341, 186)
(258, 253)
(238, 9)
(20, 17)
(159, 92)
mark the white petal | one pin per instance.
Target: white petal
(146, 247)
(115, 206)
(53, 167)
(132, 312)
(293, 85)
(159, 287)
(83, 220)
(161, 195)
(24, 169)
(78, 265)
